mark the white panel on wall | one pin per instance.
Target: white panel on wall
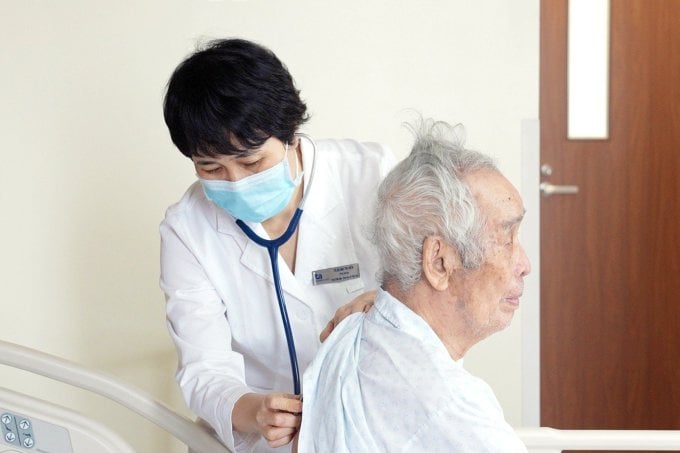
(588, 69)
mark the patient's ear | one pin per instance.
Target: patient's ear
(440, 260)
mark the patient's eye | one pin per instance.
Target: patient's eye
(513, 234)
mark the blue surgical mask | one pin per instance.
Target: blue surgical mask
(257, 197)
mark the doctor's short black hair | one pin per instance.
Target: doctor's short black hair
(229, 98)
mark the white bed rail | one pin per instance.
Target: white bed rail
(549, 440)
(114, 389)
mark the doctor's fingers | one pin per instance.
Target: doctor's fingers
(278, 437)
(283, 402)
(327, 331)
(273, 423)
(361, 303)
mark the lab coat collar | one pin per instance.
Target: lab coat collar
(324, 194)
(256, 257)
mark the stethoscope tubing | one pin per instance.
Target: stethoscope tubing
(272, 246)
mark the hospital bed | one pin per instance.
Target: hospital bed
(30, 425)
(548, 440)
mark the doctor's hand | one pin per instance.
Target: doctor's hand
(361, 303)
(276, 416)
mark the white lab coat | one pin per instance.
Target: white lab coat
(221, 307)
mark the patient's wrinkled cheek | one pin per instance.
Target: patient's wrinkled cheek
(495, 276)
(488, 277)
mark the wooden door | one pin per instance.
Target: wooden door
(610, 255)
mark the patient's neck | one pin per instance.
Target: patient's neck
(439, 314)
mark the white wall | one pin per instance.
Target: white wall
(87, 167)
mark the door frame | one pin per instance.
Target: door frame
(531, 307)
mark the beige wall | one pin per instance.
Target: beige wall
(87, 167)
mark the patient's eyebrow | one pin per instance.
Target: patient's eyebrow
(508, 224)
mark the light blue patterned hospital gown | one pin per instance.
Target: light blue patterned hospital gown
(384, 382)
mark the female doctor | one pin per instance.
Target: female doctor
(233, 109)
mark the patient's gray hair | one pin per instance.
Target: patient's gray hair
(424, 195)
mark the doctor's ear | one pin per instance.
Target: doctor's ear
(440, 260)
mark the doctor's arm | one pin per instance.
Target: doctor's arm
(210, 374)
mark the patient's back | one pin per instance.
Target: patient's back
(384, 382)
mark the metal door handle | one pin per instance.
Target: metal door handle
(548, 189)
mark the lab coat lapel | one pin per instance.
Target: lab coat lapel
(255, 257)
(323, 225)
(318, 232)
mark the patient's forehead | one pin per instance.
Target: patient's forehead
(498, 200)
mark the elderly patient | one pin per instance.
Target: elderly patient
(447, 230)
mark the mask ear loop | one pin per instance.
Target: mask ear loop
(311, 173)
(298, 173)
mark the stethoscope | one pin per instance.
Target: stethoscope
(272, 246)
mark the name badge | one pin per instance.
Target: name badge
(335, 274)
